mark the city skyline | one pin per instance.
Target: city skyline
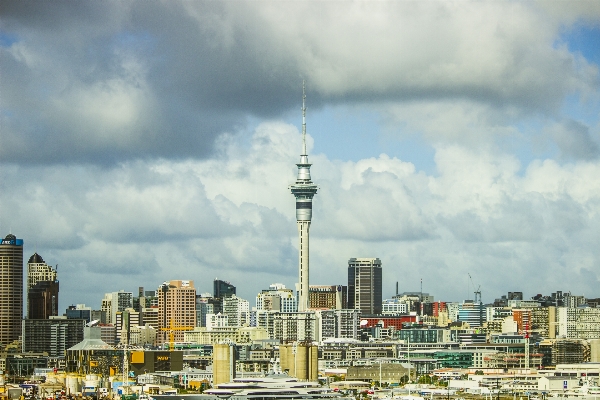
(146, 142)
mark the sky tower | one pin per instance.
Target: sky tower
(303, 190)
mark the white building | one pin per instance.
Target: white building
(452, 311)
(142, 335)
(578, 322)
(237, 311)
(216, 321)
(116, 301)
(337, 324)
(394, 306)
(294, 327)
(277, 298)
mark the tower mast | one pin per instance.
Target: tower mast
(303, 190)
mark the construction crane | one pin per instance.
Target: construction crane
(477, 291)
(171, 329)
(477, 301)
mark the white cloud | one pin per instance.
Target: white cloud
(233, 217)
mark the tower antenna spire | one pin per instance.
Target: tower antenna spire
(303, 118)
(303, 190)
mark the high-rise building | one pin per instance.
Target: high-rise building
(42, 289)
(364, 285)
(53, 336)
(223, 289)
(80, 311)
(276, 298)
(114, 302)
(176, 310)
(304, 190)
(11, 289)
(204, 306)
(472, 312)
(237, 310)
(333, 297)
(124, 321)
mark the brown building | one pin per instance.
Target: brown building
(176, 310)
(333, 297)
(11, 289)
(42, 300)
(42, 289)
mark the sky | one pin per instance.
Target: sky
(458, 141)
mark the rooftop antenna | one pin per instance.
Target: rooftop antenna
(421, 299)
(303, 118)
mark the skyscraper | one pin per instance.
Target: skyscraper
(11, 289)
(364, 285)
(176, 309)
(223, 289)
(304, 191)
(42, 289)
(116, 301)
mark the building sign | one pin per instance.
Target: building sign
(13, 242)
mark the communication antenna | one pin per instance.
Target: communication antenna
(303, 118)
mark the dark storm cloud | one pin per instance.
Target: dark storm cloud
(99, 84)
(102, 82)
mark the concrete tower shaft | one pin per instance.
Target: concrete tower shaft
(304, 190)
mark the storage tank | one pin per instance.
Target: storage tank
(223, 363)
(285, 359)
(72, 384)
(302, 362)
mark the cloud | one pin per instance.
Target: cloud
(574, 140)
(143, 141)
(103, 83)
(232, 217)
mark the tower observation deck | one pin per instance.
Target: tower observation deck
(304, 190)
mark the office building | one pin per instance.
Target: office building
(276, 298)
(333, 297)
(80, 311)
(223, 289)
(394, 307)
(144, 299)
(176, 309)
(472, 312)
(338, 324)
(150, 317)
(237, 310)
(364, 285)
(11, 289)
(114, 302)
(125, 320)
(53, 336)
(204, 306)
(293, 327)
(303, 190)
(42, 289)
(42, 300)
(38, 270)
